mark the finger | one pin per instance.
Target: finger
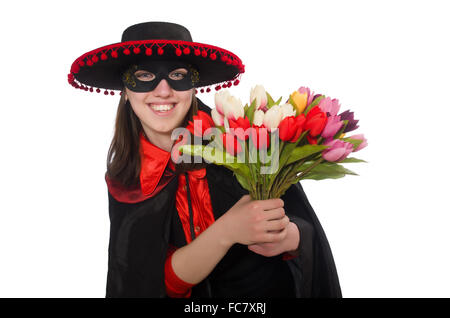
(274, 214)
(271, 204)
(272, 237)
(263, 249)
(277, 225)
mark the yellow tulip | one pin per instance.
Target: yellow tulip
(300, 101)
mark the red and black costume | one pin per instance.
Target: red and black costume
(166, 211)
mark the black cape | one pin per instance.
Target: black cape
(140, 234)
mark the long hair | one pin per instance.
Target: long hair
(123, 160)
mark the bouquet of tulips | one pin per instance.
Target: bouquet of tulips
(270, 146)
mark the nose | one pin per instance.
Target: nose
(163, 89)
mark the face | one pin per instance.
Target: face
(161, 108)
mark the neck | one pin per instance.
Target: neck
(162, 141)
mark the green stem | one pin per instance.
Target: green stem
(302, 175)
(274, 177)
(252, 178)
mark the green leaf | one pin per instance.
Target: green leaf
(270, 101)
(243, 181)
(250, 112)
(314, 103)
(350, 160)
(326, 170)
(340, 131)
(355, 142)
(278, 101)
(304, 151)
(216, 156)
(294, 105)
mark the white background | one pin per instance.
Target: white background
(388, 61)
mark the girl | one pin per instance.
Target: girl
(190, 229)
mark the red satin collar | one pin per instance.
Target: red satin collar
(154, 161)
(154, 175)
(157, 170)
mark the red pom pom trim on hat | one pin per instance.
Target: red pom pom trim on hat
(180, 47)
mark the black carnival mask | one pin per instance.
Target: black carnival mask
(146, 76)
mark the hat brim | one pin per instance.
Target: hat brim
(103, 67)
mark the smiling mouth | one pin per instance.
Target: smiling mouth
(162, 108)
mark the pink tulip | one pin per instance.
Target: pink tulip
(303, 90)
(330, 106)
(337, 151)
(361, 145)
(334, 123)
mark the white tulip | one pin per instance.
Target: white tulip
(217, 117)
(259, 93)
(272, 117)
(233, 108)
(288, 110)
(258, 117)
(219, 99)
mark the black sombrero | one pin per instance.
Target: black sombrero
(102, 68)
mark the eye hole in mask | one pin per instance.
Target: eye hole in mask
(175, 75)
(145, 77)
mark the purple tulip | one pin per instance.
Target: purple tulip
(334, 123)
(352, 123)
(330, 106)
(361, 145)
(337, 151)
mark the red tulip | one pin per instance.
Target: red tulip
(291, 128)
(315, 121)
(202, 121)
(240, 127)
(231, 144)
(260, 136)
(311, 140)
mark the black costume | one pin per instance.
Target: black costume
(142, 228)
(141, 233)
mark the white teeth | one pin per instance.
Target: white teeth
(162, 108)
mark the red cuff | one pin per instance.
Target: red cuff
(175, 286)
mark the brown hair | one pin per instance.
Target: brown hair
(123, 161)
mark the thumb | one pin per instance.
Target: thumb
(255, 248)
(245, 198)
